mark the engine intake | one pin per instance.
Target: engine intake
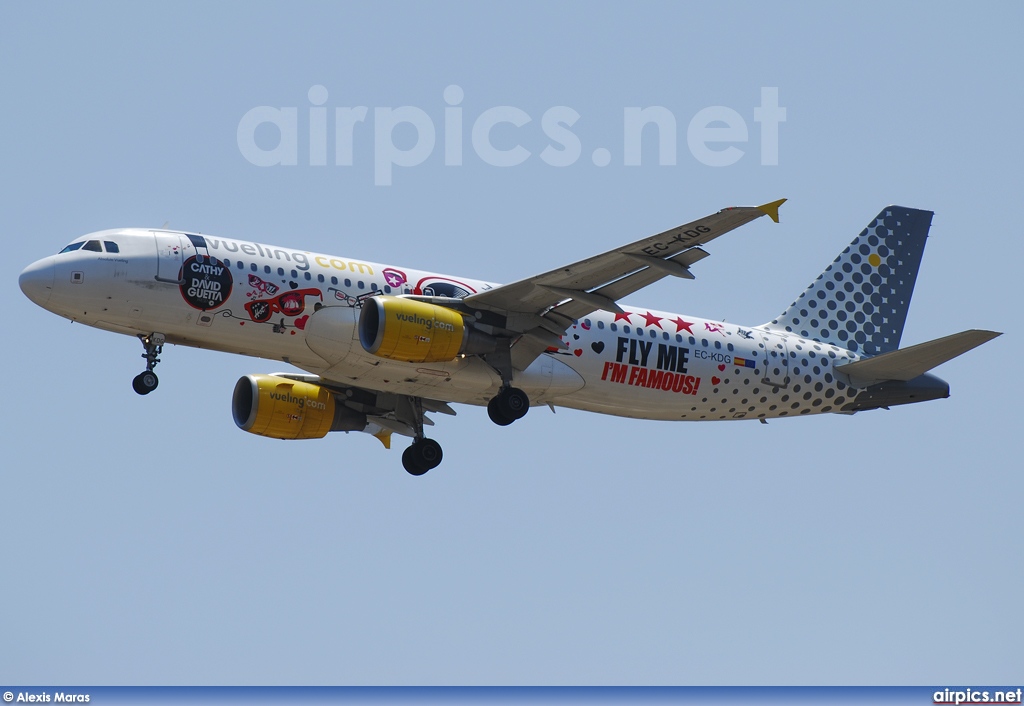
(417, 332)
(281, 408)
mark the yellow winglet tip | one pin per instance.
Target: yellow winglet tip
(772, 209)
(384, 437)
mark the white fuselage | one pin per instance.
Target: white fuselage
(256, 300)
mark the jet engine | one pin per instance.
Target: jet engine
(413, 331)
(282, 408)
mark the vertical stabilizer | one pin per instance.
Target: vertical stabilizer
(861, 301)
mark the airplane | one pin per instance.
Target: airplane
(382, 346)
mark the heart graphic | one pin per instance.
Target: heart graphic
(300, 323)
(722, 367)
(715, 380)
(578, 352)
(597, 346)
(585, 325)
(575, 337)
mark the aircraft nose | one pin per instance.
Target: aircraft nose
(36, 281)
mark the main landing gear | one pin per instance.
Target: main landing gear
(424, 454)
(507, 406)
(510, 403)
(146, 381)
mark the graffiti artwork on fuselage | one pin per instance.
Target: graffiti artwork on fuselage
(205, 282)
(289, 304)
(341, 296)
(260, 287)
(639, 364)
(394, 278)
(442, 287)
(570, 341)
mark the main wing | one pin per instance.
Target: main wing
(541, 308)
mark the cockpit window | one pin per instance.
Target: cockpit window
(93, 245)
(111, 246)
(73, 246)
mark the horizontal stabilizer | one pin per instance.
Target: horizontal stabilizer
(908, 363)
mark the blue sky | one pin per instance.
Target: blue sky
(149, 541)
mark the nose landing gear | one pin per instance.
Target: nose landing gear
(146, 381)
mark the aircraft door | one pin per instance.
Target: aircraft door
(169, 257)
(776, 360)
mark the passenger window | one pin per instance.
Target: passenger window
(93, 246)
(72, 247)
(266, 269)
(254, 267)
(111, 246)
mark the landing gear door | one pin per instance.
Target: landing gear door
(170, 252)
(776, 360)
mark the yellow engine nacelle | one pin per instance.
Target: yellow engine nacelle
(289, 409)
(417, 332)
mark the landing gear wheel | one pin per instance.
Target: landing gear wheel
(507, 406)
(145, 382)
(411, 463)
(496, 414)
(423, 455)
(517, 404)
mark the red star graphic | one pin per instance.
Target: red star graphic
(680, 325)
(623, 316)
(652, 320)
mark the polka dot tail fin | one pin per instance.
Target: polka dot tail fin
(860, 302)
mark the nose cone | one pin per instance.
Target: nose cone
(36, 281)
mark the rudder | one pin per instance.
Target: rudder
(861, 301)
